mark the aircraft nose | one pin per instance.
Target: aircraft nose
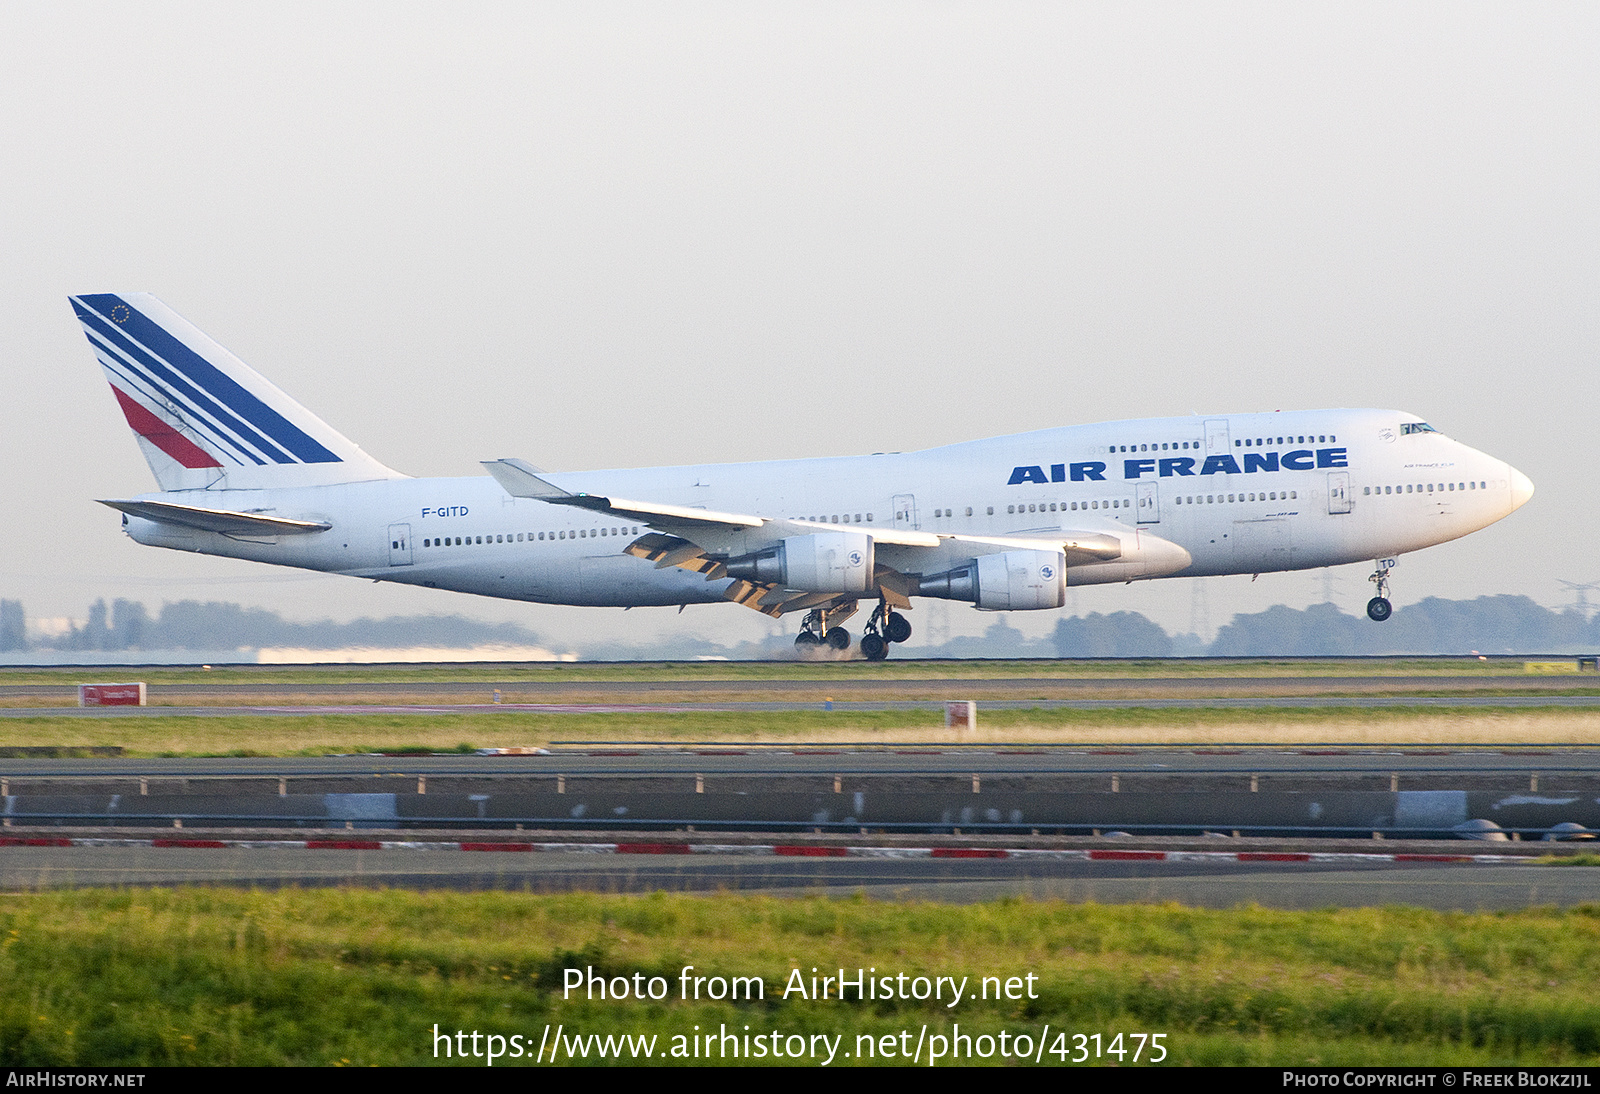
(1521, 488)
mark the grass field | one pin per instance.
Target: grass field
(156, 735)
(224, 976)
(894, 669)
(351, 976)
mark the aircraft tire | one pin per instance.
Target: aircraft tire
(874, 648)
(1379, 609)
(838, 638)
(806, 639)
(898, 628)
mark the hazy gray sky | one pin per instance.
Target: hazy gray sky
(598, 235)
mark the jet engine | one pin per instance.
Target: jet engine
(826, 562)
(1007, 581)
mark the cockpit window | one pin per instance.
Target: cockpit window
(1416, 427)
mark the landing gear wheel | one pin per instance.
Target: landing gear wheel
(1379, 608)
(806, 639)
(874, 648)
(838, 638)
(898, 628)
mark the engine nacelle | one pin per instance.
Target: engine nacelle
(1007, 581)
(826, 562)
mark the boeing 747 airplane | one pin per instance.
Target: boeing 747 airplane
(1005, 524)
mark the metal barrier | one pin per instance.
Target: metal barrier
(1413, 813)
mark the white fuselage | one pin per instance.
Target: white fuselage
(1243, 493)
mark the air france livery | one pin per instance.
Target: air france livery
(1005, 524)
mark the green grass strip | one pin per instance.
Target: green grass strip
(229, 977)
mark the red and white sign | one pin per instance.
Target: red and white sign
(961, 714)
(111, 695)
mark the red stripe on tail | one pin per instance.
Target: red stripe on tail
(162, 435)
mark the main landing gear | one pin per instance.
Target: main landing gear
(815, 631)
(836, 638)
(1379, 608)
(884, 627)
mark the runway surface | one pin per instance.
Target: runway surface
(1230, 769)
(870, 686)
(1444, 887)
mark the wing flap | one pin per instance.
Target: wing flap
(667, 551)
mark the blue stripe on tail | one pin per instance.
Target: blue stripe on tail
(212, 381)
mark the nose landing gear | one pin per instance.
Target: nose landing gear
(1379, 608)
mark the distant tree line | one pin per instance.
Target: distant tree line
(191, 625)
(1120, 634)
(1489, 624)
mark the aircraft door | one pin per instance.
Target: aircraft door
(1146, 501)
(1338, 491)
(905, 511)
(1216, 436)
(399, 544)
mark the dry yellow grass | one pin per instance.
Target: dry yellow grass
(287, 735)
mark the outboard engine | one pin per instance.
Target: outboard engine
(825, 562)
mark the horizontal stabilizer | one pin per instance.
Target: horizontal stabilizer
(225, 521)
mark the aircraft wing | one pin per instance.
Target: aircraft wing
(1084, 546)
(226, 521)
(520, 481)
(690, 538)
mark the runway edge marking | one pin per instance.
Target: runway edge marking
(797, 850)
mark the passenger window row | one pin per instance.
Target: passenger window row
(1425, 488)
(1165, 446)
(1214, 499)
(1305, 438)
(1247, 442)
(1064, 507)
(531, 537)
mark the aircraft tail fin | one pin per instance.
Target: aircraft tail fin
(203, 418)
